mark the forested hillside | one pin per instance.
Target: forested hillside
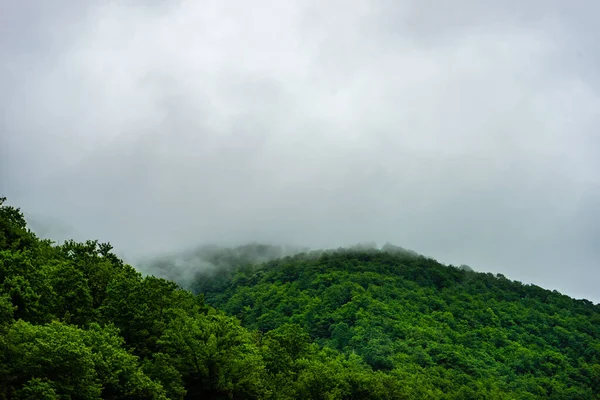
(437, 330)
(76, 322)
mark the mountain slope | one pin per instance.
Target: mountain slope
(450, 329)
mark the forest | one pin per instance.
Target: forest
(262, 322)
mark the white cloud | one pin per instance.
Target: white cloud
(462, 131)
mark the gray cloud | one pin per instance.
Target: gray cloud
(466, 132)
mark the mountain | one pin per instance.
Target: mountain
(441, 331)
(360, 323)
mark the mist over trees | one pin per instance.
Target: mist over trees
(187, 267)
(184, 267)
(265, 322)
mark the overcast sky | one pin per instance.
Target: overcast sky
(468, 131)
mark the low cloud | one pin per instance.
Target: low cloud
(465, 132)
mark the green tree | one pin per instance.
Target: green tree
(216, 356)
(13, 228)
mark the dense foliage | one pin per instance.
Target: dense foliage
(76, 322)
(439, 331)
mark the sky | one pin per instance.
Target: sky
(467, 131)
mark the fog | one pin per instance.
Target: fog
(465, 131)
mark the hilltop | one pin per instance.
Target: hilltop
(447, 328)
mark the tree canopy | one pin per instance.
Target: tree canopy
(77, 322)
